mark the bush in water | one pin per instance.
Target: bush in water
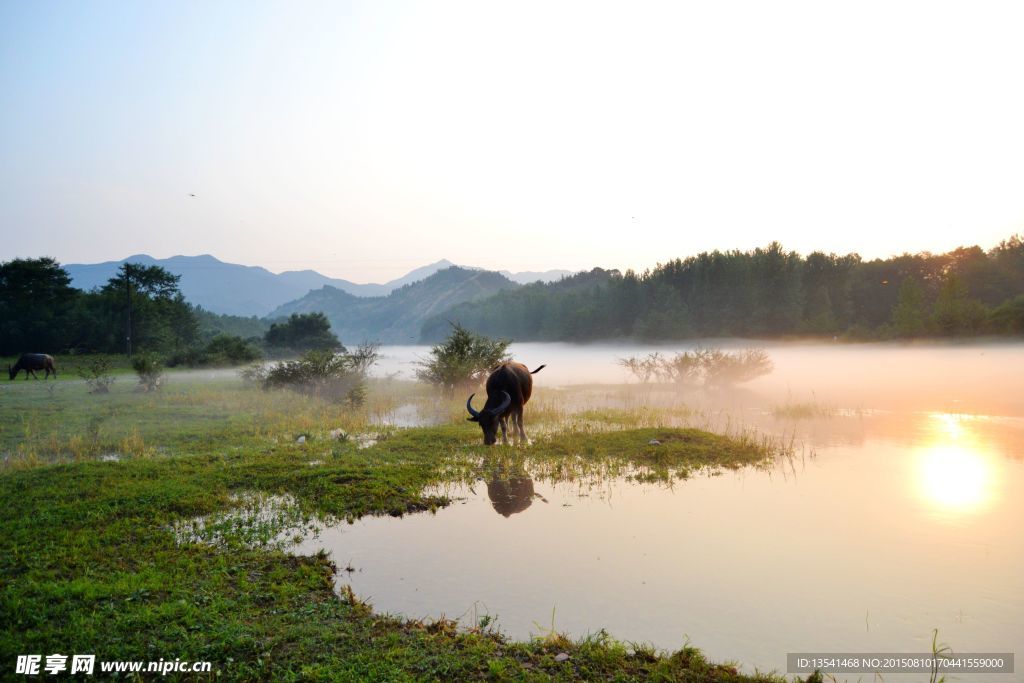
(716, 367)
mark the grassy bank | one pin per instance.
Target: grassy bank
(69, 365)
(92, 558)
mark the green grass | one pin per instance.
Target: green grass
(45, 423)
(69, 364)
(93, 559)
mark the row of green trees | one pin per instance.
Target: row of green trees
(767, 292)
(140, 309)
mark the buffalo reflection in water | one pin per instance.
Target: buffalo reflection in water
(510, 496)
(509, 487)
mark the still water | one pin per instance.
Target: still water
(901, 512)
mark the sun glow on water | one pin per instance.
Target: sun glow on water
(955, 472)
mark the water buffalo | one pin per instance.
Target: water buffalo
(30, 362)
(508, 389)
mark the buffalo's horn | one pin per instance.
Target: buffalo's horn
(469, 406)
(504, 404)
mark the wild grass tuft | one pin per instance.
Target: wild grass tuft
(803, 410)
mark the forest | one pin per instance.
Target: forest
(765, 293)
(139, 309)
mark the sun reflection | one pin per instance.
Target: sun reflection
(948, 424)
(954, 470)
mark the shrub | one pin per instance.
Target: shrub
(227, 349)
(190, 357)
(338, 377)
(224, 349)
(96, 373)
(462, 360)
(643, 368)
(255, 373)
(150, 369)
(686, 368)
(303, 332)
(722, 368)
(682, 369)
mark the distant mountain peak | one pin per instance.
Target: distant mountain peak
(236, 289)
(397, 317)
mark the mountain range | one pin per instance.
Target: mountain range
(242, 290)
(397, 317)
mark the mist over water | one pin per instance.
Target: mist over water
(899, 513)
(955, 377)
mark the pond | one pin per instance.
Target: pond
(900, 512)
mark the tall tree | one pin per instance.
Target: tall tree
(910, 315)
(955, 312)
(35, 299)
(152, 306)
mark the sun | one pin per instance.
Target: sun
(954, 472)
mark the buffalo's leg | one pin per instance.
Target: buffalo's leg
(503, 421)
(523, 439)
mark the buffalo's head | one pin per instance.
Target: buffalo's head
(488, 418)
(11, 372)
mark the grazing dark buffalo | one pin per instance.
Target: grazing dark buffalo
(30, 362)
(508, 389)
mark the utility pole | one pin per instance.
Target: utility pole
(128, 294)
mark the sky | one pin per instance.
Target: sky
(365, 139)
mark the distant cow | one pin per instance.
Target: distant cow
(30, 362)
(508, 389)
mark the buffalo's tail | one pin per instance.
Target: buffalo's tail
(538, 369)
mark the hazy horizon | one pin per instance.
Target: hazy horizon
(364, 140)
(398, 274)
